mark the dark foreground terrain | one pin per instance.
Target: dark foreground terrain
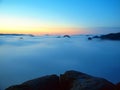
(70, 80)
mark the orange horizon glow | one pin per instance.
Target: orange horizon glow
(41, 31)
(16, 25)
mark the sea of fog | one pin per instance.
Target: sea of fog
(32, 57)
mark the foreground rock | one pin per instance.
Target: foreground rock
(50, 82)
(73, 80)
(70, 80)
(118, 86)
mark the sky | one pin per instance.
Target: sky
(58, 16)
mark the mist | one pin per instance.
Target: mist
(32, 57)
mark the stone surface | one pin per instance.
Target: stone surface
(118, 86)
(73, 80)
(50, 82)
(70, 80)
(19, 87)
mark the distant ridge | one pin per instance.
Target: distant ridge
(1, 34)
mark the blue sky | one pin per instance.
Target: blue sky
(65, 13)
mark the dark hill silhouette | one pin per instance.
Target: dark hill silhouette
(16, 35)
(111, 36)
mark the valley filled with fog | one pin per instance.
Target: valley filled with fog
(24, 57)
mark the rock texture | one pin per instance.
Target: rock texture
(49, 82)
(118, 86)
(70, 80)
(19, 87)
(73, 80)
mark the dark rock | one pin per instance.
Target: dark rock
(118, 86)
(70, 80)
(73, 80)
(96, 36)
(19, 87)
(50, 82)
(89, 38)
(66, 36)
(111, 36)
(58, 37)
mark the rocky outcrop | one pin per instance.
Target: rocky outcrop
(73, 80)
(111, 36)
(19, 87)
(66, 36)
(70, 80)
(118, 86)
(50, 82)
(96, 36)
(89, 38)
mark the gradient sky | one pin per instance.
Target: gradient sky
(57, 16)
